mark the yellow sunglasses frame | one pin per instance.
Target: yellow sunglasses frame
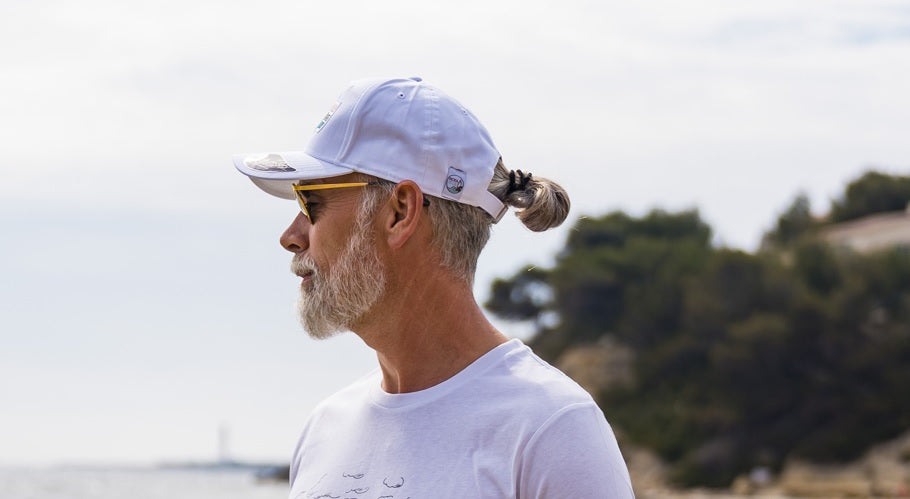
(301, 200)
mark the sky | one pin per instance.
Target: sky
(144, 300)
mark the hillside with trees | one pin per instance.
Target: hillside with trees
(742, 360)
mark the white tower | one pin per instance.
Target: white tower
(224, 455)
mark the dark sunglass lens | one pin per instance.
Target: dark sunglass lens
(301, 201)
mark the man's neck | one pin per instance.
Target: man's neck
(425, 330)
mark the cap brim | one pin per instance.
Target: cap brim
(276, 172)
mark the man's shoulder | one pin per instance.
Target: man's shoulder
(531, 378)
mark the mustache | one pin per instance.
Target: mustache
(302, 265)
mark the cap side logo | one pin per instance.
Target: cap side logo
(268, 163)
(455, 181)
(325, 119)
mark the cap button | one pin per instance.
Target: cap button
(417, 78)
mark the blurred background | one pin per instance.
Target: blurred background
(146, 308)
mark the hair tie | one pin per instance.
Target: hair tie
(518, 182)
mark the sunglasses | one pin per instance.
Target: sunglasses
(302, 202)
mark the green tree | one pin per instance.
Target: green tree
(742, 359)
(616, 274)
(793, 223)
(874, 192)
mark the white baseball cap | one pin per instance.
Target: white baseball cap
(394, 129)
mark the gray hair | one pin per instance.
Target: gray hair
(461, 231)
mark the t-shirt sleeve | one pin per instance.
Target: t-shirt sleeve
(574, 455)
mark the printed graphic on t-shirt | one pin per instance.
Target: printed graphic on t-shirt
(355, 486)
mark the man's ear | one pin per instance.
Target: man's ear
(406, 211)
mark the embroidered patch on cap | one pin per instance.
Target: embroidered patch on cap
(455, 181)
(325, 119)
(268, 163)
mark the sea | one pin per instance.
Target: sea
(136, 483)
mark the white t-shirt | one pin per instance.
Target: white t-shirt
(507, 426)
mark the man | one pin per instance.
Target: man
(398, 188)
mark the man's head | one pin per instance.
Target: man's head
(394, 149)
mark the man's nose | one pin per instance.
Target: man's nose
(295, 238)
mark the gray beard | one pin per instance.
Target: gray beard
(337, 300)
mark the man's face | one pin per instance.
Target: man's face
(335, 295)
